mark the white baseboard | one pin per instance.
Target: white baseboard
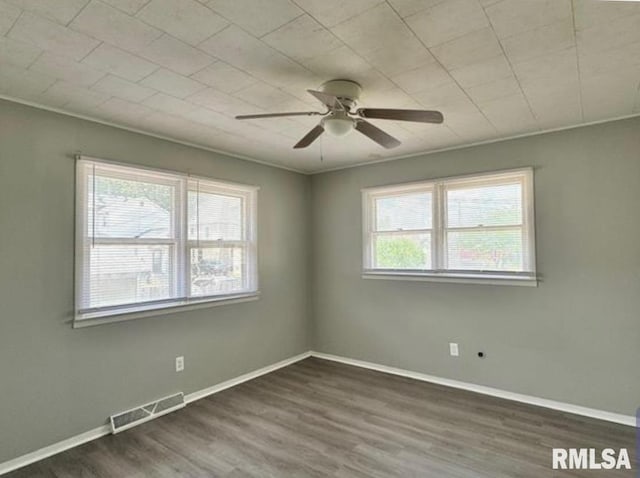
(628, 420)
(54, 449)
(91, 435)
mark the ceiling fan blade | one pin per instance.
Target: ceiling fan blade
(310, 137)
(277, 115)
(421, 116)
(376, 134)
(330, 101)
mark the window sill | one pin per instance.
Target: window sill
(138, 312)
(485, 279)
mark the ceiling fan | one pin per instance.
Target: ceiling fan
(341, 97)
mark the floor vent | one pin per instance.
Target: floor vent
(136, 416)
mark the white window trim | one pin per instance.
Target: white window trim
(90, 317)
(440, 273)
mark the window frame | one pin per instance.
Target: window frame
(180, 272)
(438, 188)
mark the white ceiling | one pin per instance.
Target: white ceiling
(183, 68)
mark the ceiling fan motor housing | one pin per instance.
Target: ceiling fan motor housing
(347, 91)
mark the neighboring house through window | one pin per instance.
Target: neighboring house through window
(152, 239)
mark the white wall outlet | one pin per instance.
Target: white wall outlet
(453, 349)
(179, 364)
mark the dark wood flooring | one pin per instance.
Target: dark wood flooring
(322, 419)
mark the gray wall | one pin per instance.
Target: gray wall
(575, 338)
(56, 382)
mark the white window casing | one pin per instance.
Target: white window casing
(150, 241)
(474, 228)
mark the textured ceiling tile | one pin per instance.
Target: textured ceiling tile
(21, 83)
(249, 54)
(171, 83)
(8, 15)
(48, 35)
(339, 63)
(468, 49)
(169, 104)
(332, 12)
(606, 36)
(263, 95)
(440, 95)
(119, 110)
(62, 11)
(62, 93)
(406, 8)
(392, 98)
(374, 29)
(510, 115)
(66, 69)
(610, 95)
(224, 77)
(302, 39)
(447, 21)
(258, 17)
(187, 20)
(128, 6)
(609, 61)
(126, 90)
(516, 16)
(383, 55)
(17, 53)
(539, 42)
(549, 70)
(398, 58)
(555, 105)
(422, 78)
(465, 119)
(590, 13)
(119, 62)
(175, 55)
(482, 72)
(210, 118)
(222, 103)
(113, 26)
(392, 49)
(493, 90)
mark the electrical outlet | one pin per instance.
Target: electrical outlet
(179, 364)
(453, 349)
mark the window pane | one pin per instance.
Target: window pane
(405, 212)
(402, 251)
(499, 205)
(485, 250)
(218, 270)
(125, 274)
(129, 209)
(215, 216)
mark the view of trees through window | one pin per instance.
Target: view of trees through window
(481, 226)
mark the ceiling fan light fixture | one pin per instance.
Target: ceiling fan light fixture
(338, 126)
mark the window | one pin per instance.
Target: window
(472, 228)
(149, 240)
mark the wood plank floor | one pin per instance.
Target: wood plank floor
(322, 419)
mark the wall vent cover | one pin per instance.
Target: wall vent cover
(130, 418)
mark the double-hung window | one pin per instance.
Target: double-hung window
(148, 240)
(472, 228)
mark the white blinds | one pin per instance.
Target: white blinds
(149, 237)
(484, 228)
(477, 225)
